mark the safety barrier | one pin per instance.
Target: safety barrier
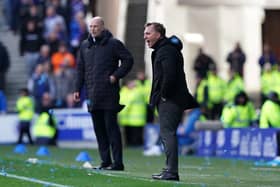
(243, 143)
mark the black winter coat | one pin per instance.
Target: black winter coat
(168, 74)
(97, 61)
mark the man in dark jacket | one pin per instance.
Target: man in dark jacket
(236, 59)
(99, 71)
(202, 64)
(169, 92)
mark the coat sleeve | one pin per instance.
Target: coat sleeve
(169, 60)
(80, 71)
(122, 54)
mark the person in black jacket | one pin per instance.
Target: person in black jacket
(29, 45)
(99, 71)
(169, 92)
(202, 64)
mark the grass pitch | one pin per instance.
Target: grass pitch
(60, 169)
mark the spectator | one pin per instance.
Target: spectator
(4, 65)
(78, 31)
(133, 116)
(145, 85)
(53, 42)
(236, 59)
(239, 114)
(47, 71)
(61, 33)
(269, 81)
(59, 8)
(202, 63)
(187, 137)
(51, 21)
(7, 12)
(15, 18)
(234, 86)
(270, 111)
(267, 57)
(62, 58)
(3, 103)
(44, 130)
(74, 7)
(30, 43)
(24, 11)
(38, 84)
(63, 81)
(210, 93)
(44, 55)
(34, 16)
(25, 109)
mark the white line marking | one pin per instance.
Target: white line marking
(268, 168)
(139, 178)
(196, 167)
(31, 180)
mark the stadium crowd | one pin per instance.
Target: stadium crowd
(50, 34)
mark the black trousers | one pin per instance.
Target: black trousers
(46, 140)
(133, 136)
(24, 128)
(170, 115)
(108, 136)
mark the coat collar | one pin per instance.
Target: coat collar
(100, 40)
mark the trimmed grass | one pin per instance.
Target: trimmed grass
(61, 168)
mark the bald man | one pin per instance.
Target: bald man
(98, 69)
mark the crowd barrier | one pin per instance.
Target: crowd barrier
(243, 143)
(240, 143)
(74, 125)
(8, 128)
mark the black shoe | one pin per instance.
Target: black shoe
(158, 174)
(115, 167)
(166, 175)
(102, 166)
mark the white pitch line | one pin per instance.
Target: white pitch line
(140, 178)
(265, 168)
(32, 180)
(196, 167)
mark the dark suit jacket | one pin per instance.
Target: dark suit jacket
(168, 74)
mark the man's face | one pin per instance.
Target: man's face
(96, 27)
(151, 36)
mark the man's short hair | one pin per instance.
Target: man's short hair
(158, 27)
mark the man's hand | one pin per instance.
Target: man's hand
(76, 96)
(113, 79)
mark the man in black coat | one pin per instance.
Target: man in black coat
(236, 59)
(99, 71)
(169, 92)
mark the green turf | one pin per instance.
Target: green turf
(60, 167)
